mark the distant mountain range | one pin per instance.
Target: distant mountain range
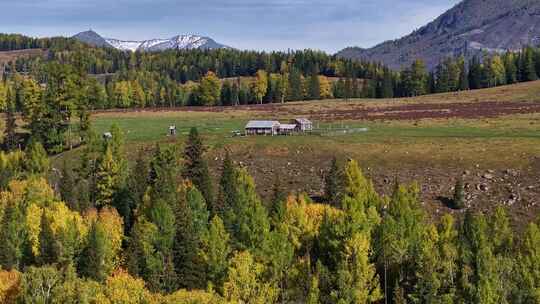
(180, 42)
(469, 28)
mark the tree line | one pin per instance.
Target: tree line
(163, 231)
(188, 77)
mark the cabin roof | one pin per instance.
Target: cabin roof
(302, 120)
(287, 126)
(259, 124)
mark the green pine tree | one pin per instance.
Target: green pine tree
(226, 187)
(12, 238)
(191, 226)
(48, 245)
(107, 178)
(10, 133)
(333, 184)
(36, 160)
(94, 264)
(196, 168)
(314, 85)
(459, 194)
(67, 187)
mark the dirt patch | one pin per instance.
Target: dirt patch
(518, 189)
(9, 56)
(359, 111)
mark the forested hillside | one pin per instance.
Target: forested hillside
(108, 78)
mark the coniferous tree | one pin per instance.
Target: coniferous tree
(478, 274)
(247, 220)
(12, 238)
(10, 135)
(459, 194)
(510, 68)
(235, 91)
(314, 85)
(226, 187)
(529, 267)
(67, 187)
(162, 176)
(475, 73)
(107, 178)
(37, 160)
(93, 263)
(528, 68)
(463, 77)
(196, 168)
(333, 184)
(357, 279)
(48, 246)
(387, 85)
(278, 202)
(295, 85)
(191, 226)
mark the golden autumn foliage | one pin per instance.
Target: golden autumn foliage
(10, 286)
(325, 87)
(192, 297)
(61, 218)
(31, 191)
(303, 219)
(122, 288)
(112, 222)
(245, 284)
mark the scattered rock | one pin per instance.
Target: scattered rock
(466, 172)
(511, 172)
(488, 176)
(482, 187)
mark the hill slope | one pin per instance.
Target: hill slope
(467, 29)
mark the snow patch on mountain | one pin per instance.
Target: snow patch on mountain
(180, 42)
(124, 45)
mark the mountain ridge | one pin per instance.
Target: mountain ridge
(469, 28)
(178, 42)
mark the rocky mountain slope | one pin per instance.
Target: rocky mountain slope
(179, 42)
(469, 28)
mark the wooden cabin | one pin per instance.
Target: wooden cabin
(262, 127)
(287, 129)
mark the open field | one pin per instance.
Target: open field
(491, 135)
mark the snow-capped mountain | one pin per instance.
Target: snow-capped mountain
(180, 42)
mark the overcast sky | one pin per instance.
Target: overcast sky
(246, 24)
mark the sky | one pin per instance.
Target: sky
(329, 25)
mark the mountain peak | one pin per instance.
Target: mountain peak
(190, 41)
(92, 38)
(469, 28)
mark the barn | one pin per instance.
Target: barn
(262, 127)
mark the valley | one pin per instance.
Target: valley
(429, 139)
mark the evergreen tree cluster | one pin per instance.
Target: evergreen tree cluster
(103, 78)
